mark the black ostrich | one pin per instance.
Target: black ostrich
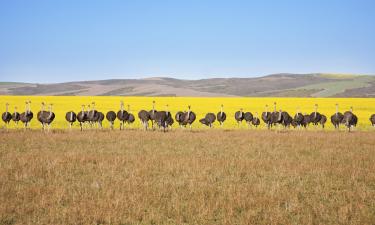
(286, 119)
(144, 116)
(350, 119)
(266, 117)
(306, 120)
(179, 117)
(6, 116)
(162, 118)
(189, 117)
(208, 120)
(16, 116)
(276, 116)
(170, 121)
(82, 117)
(122, 115)
(298, 119)
(239, 116)
(131, 117)
(111, 117)
(93, 115)
(70, 117)
(372, 120)
(40, 115)
(256, 121)
(221, 116)
(152, 114)
(248, 117)
(27, 116)
(336, 119)
(48, 117)
(315, 117)
(100, 119)
(323, 120)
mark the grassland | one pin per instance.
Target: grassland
(363, 107)
(199, 177)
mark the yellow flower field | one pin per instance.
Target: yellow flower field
(363, 107)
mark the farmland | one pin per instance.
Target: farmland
(363, 107)
(187, 177)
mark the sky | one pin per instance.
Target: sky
(70, 40)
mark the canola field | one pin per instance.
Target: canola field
(363, 107)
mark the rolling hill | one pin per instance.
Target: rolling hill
(278, 85)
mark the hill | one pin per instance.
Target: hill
(278, 85)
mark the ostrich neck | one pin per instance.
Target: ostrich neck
(6, 108)
(71, 116)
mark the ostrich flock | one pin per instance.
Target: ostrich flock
(90, 117)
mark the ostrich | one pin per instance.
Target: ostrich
(298, 119)
(276, 117)
(350, 119)
(152, 114)
(15, 116)
(180, 118)
(144, 116)
(189, 117)
(286, 119)
(248, 117)
(170, 121)
(372, 120)
(315, 117)
(266, 117)
(337, 118)
(28, 115)
(162, 117)
(239, 116)
(40, 115)
(71, 117)
(6, 116)
(93, 115)
(208, 120)
(111, 117)
(256, 120)
(82, 117)
(323, 120)
(221, 116)
(47, 117)
(131, 117)
(306, 120)
(122, 115)
(100, 119)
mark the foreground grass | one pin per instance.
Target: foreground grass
(201, 177)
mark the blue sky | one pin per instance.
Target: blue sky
(63, 40)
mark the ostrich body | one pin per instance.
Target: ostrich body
(323, 120)
(372, 120)
(221, 116)
(47, 117)
(248, 117)
(122, 115)
(315, 117)
(70, 117)
(298, 119)
(27, 116)
(16, 116)
(144, 116)
(188, 117)
(111, 117)
(162, 118)
(239, 116)
(131, 117)
(208, 120)
(337, 118)
(350, 119)
(82, 117)
(256, 121)
(152, 114)
(6, 116)
(266, 117)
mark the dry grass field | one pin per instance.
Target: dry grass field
(184, 177)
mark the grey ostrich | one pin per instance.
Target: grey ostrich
(82, 117)
(248, 117)
(144, 116)
(6, 116)
(16, 116)
(27, 116)
(208, 120)
(315, 117)
(70, 117)
(372, 120)
(131, 117)
(152, 114)
(350, 119)
(256, 121)
(122, 115)
(266, 117)
(337, 118)
(221, 116)
(298, 119)
(162, 117)
(48, 117)
(111, 117)
(239, 116)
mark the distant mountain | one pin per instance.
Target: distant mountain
(280, 85)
